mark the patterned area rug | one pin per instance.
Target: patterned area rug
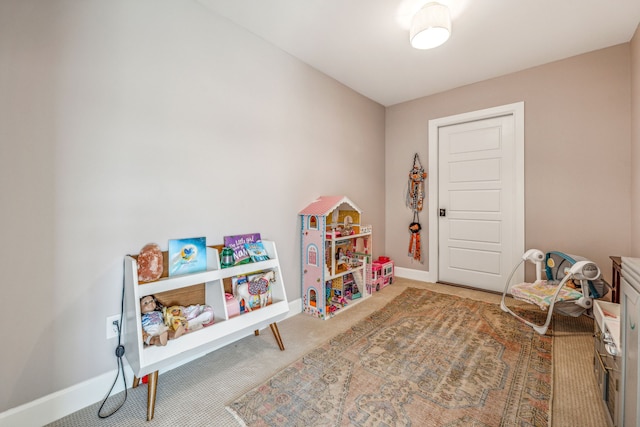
(425, 359)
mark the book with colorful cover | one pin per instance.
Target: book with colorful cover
(236, 243)
(256, 251)
(187, 256)
(235, 281)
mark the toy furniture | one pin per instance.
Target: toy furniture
(335, 254)
(204, 287)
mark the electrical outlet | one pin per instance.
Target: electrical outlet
(112, 326)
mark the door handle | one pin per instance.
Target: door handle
(443, 212)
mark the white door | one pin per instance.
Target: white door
(480, 199)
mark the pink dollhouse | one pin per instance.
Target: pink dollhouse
(335, 252)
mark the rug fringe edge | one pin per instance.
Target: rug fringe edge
(236, 416)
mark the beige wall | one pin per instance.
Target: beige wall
(635, 145)
(577, 143)
(123, 123)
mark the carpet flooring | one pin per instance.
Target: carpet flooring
(197, 392)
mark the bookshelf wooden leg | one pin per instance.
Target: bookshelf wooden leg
(151, 394)
(256, 332)
(136, 382)
(276, 333)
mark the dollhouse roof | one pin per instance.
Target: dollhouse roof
(324, 205)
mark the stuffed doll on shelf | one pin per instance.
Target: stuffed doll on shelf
(154, 330)
(160, 324)
(188, 318)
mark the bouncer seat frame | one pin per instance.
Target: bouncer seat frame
(548, 293)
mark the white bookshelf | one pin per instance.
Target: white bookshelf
(146, 360)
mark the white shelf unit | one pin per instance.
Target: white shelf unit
(150, 359)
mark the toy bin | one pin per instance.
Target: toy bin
(233, 306)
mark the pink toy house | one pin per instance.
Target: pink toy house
(335, 251)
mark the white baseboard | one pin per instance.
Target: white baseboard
(64, 402)
(409, 273)
(57, 405)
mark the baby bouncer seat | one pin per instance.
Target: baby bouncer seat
(571, 285)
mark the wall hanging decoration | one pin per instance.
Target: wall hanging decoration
(415, 202)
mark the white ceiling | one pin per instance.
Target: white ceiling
(364, 44)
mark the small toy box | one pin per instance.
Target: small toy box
(233, 306)
(376, 274)
(381, 273)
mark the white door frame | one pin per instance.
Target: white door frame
(515, 109)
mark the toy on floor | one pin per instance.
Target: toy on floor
(381, 273)
(571, 285)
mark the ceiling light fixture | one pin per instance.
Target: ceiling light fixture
(430, 27)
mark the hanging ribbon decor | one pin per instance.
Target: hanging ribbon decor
(415, 202)
(415, 190)
(414, 242)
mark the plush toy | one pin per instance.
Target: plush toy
(571, 284)
(174, 318)
(189, 318)
(154, 330)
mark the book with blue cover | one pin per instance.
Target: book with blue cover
(256, 251)
(187, 256)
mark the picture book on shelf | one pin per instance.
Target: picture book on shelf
(235, 281)
(236, 243)
(256, 251)
(187, 255)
